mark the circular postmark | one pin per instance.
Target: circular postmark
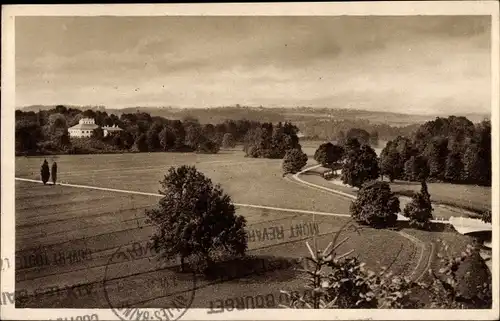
(134, 279)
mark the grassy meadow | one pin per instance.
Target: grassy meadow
(54, 220)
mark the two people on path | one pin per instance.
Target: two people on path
(45, 173)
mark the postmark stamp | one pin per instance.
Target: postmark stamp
(161, 284)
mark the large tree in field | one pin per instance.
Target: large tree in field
(294, 160)
(360, 165)
(375, 205)
(329, 155)
(195, 219)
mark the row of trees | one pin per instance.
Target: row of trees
(271, 141)
(449, 149)
(376, 205)
(340, 130)
(359, 162)
(46, 132)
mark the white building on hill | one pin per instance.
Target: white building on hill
(111, 130)
(84, 128)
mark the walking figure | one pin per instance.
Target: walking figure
(45, 172)
(54, 173)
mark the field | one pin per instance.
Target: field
(52, 221)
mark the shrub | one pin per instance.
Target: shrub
(375, 205)
(294, 161)
(419, 210)
(196, 220)
(341, 281)
(462, 282)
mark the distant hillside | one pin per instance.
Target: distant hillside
(298, 114)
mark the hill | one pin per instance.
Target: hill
(263, 114)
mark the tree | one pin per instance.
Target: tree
(140, 144)
(436, 152)
(419, 210)
(194, 135)
(389, 163)
(167, 138)
(360, 165)
(98, 133)
(54, 173)
(228, 141)
(416, 169)
(195, 219)
(45, 172)
(152, 137)
(294, 161)
(375, 205)
(360, 134)
(373, 138)
(208, 147)
(477, 156)
(329, 155)
(454, 167)
(27, 134)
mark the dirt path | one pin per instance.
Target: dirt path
(426, 249)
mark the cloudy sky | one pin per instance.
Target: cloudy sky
(418, 64)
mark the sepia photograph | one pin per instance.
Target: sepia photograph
(219, 162)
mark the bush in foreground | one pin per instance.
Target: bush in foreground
(339, 281)
(196, 220)
(375, 205)
(419, 210)
(294, 160)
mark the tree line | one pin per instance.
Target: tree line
(46, 132)
(338, 130)
(449, 149)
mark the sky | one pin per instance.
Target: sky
(407, 64)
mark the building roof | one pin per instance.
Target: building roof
(465, 225)
(84, 126)
(112, 128)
